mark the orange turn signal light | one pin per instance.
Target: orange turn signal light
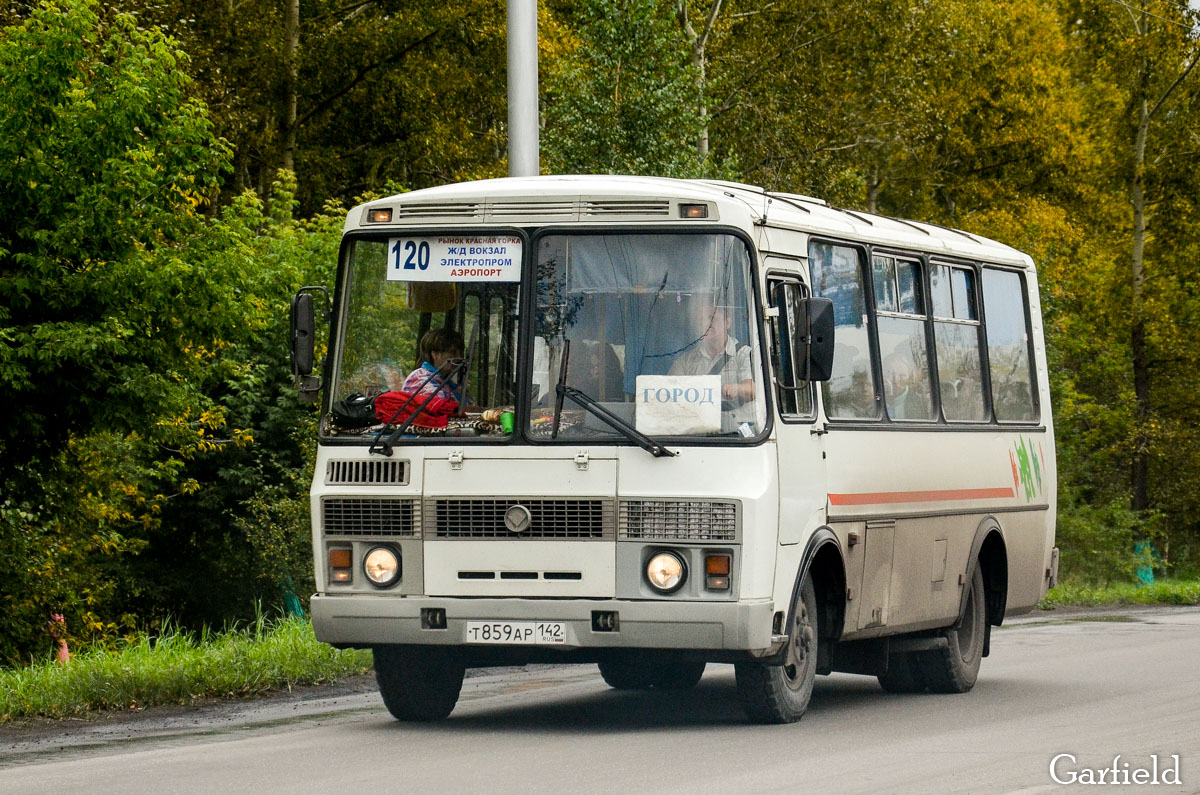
(716, 564)
(716, 570)
(339, 559)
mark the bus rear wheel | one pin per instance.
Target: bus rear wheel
(678, 675)
(780, 693)
(626, 674)
(418, 685)
(955, 668)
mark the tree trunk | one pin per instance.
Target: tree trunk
(287, 153)
(698, 42)
(873, 190)
(698, 63)
(1140, 474)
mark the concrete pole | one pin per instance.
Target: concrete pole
(523, 159)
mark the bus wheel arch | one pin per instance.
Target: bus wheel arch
(780, 692)
(990, 554)
(824, 563)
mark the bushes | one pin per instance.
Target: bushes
(1099, 545)
(152, 440)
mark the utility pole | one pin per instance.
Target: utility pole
(523, 158)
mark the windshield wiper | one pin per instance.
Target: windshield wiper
(613, 421)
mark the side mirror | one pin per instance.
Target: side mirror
(304, 341)
(814, 338)
(304, 328)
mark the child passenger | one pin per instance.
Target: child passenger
(438, 347)
(428, 391)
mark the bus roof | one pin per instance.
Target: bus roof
(627, 199)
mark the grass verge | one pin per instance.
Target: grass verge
(178, 668)
(1161, 592)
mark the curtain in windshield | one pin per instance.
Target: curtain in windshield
(632, 313)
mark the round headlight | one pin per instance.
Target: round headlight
(382, 566)
(666, 572)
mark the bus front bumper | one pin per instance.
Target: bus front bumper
(739, 629)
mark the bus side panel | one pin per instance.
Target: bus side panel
(920, 498)
(1029, 537)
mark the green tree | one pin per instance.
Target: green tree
(350, 95)
(918, 109)
(1143, 58)
(625, 100)
(115, 314)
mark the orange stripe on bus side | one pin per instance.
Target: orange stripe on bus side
(886, 497)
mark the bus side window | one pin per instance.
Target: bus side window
(903, 338)
(1006, 305)
(837, 274)
(795, 397)
(956, 334)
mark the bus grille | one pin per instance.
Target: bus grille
(406, 212)
(679, 520)
(480, 518)
(366, 473)
(370, 517)
(599, 207)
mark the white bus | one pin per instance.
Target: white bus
(674, 422)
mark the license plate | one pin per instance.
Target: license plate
(523, 633)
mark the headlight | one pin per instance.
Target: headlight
(666, 572)
(382, 566)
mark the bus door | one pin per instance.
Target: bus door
(800, 448)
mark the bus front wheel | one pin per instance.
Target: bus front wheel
(418, 685)
(780, 693)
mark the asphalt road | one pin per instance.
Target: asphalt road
(1090, 685)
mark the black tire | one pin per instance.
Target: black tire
(780, 693)
(903, 675)
(627, 674)
(677, 675)
(418, 685)
(955, 668)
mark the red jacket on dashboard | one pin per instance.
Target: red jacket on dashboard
(434, 411)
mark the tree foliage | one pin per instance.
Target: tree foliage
(624, 100)
(129, 320)
(155, 461)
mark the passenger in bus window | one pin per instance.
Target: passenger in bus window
(962, 398)
(595, 369)
(717, 352)
(903, 403)
(854, 397)
(439, 347)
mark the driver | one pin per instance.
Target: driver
(717, 352)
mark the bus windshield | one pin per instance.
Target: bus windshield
(656, 327)
(414, 308)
